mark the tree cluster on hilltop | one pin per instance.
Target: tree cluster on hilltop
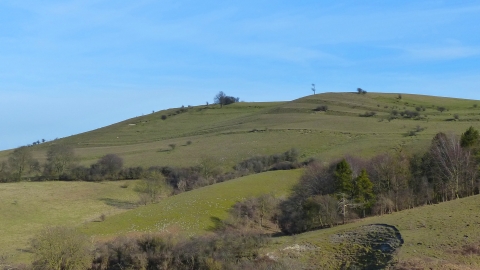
(222, 99)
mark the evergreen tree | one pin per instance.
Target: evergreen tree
(343, 178)
(363, 191)
(470, 138)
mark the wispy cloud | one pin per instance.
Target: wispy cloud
(440, 53)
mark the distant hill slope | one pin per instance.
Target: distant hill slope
(241, 130)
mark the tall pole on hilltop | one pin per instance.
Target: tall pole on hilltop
(313, 88)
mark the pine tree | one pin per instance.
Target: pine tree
(343, 178)
(470, 138)
(363, 191)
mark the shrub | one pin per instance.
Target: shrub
(322, 108)
(61, 248)
(164, 117)
(368, 114)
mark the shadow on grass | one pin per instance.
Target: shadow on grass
(218, 224)
(119, 203)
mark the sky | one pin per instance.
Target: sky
(68, 67)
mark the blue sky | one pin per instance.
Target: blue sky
(71, 66)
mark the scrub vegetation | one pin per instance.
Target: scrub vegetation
(357, 179)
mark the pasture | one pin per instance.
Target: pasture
(242, 130)
(28, 207)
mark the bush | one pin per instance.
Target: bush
(410, 114)
(164, 117)
(61, 248)
(368, 114)
(219, 251)
(263, 163)
(322, 108)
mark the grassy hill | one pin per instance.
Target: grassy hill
(196, 211)
(236, 132)
(241, 130)
(28, 207)
(436, 237)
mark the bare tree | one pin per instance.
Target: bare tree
(220, 98)
(390, 175)
(152, 188)
(452, 163)
(20, 161)
(60, 158)
(110, 165)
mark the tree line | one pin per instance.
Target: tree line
(62, 164)
(352, 187)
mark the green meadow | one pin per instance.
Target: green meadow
(433, 234)
(195, 212)
(28, 207)
(241, 130)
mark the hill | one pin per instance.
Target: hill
(441, 236)
(195, 212)
(241, 130)
(28, 207)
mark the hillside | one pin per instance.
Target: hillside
(435, 237)
(28, 207)
(195, 212)
(242, 130)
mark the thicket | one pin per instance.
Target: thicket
(330, 194)
(62, 165)
(66, 248)
(231, 250)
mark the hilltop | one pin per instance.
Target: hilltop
(323, 126)
(245, 129)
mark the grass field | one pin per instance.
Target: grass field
(196, 211)
(28, 207)
(434, 236)
(236, 132)
(241, 130)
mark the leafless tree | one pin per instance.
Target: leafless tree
(20, 161)
(390, 175)
(60, 158)
(220, 98)
(452, 164)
